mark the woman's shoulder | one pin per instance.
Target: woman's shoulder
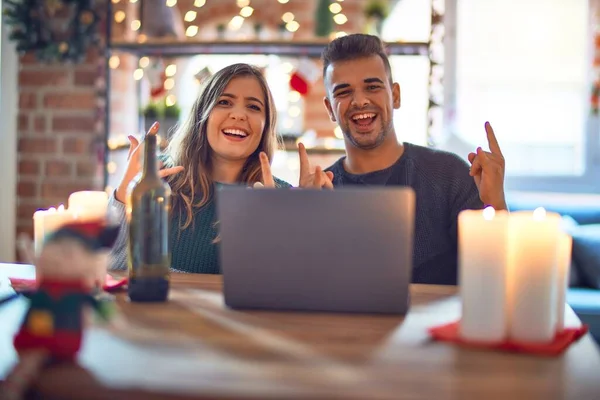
(280, 183)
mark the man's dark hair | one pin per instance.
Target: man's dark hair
(352, 47)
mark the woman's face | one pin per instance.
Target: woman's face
(236, 123)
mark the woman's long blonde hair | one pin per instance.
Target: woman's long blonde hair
(189, 145)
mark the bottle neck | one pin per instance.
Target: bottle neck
(150, 159)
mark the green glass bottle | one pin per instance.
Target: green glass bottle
(148, 216)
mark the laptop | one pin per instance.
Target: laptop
(347, 250)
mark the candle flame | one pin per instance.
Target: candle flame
(488, 213)
(539, 214)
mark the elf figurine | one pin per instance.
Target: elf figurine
(52, 328)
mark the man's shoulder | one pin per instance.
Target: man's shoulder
(336, 166)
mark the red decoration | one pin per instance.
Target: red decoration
(305, 75)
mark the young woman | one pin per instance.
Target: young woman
(228, 138)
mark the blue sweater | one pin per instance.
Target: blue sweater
(443, 188)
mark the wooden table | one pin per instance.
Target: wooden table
(193, 346)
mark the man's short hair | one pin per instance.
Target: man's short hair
(352, 47)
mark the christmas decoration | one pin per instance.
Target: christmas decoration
(304, 76)
(323, 18)
(55, 30)
(595, 95)
(53, 326)
(156, 77)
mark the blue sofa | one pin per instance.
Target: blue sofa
(583, 212)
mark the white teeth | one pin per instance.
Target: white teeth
(363, 116)
(236, 132)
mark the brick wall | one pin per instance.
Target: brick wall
(60, 132)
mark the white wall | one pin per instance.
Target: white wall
(8, 145)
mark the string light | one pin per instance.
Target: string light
(135, 24)
(236, 23)
(199, 3)
(119, 16)
(171, 3)
(340, 34)
(169, 83)
(191, 31)
(287, 67)
(116, 1)
(294, 111)
(190, 16)
(142, 38)
(246, 11)
(133, 1)
(340, 19)
(144, 62)
(111, 167)
(171, 70)
(335, 8)
(243, 3)
(287, 17)
(114, 62)
(170, 100)
(283, 1)
(138, 74)
(292, 26)
(293, 96)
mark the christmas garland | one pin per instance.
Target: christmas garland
(43, 27)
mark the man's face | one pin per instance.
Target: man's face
(361, 100)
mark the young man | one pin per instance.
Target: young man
(361, 98)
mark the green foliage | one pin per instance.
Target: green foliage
(323, 19)
(377, 9)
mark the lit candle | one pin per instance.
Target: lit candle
(565, 244)
(88, 204)
(533, 273)
(47, 221)
(482, 237)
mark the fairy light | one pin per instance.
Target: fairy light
(293, 96)
(138, 74)
(170, 100)
(340, 19)
(191, 31)
(337, 132)
(119, 16)
(340, 34)
(144, 62)
(190, 16)
(171, 70)
(133, 1)
(111, 167)
(283, 1)
(246, 11)
(236, 22)
(287, 17)
(142, 38)
(294, 111)
(335, 8)
(287, 67)
(169, 83)
(116, 1)
(171, 3)
(292, 26)
(199, 3)
(135, 24)
(114, 62)
(243, 3)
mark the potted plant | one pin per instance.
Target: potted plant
(376, 12)
(171, 119)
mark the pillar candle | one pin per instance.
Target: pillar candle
(88, 204)
(47, 221)
(482, 236)
(565, 244)
(533, 273)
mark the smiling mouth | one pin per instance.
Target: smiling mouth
(235, 133)
(364, 121)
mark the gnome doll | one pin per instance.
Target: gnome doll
(67, 269)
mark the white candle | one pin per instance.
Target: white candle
(88, 204)
(47, 221)
(482, 237)
(533, 272)
(565, 244)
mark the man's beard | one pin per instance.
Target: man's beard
(368, 145)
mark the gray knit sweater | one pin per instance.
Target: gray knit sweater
(443, 188)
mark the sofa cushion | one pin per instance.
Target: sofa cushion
(586, 253)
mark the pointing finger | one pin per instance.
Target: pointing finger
(304, 162)
(329, 175)
(265, 168)
(492, 141)
(471, 157)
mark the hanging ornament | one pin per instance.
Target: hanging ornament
(304, 76)
(156, 78)
(38, 26)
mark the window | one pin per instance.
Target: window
(524, 65)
